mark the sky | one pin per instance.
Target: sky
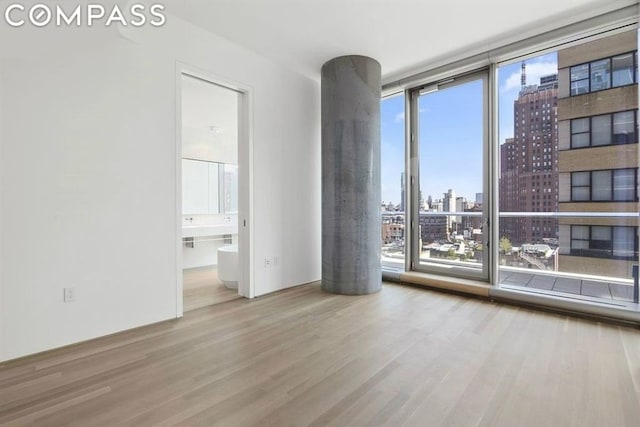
(450, 124)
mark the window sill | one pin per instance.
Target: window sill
(467, 286)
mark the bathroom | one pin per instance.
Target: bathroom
(209, 164)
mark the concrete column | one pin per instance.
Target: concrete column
(351, 219)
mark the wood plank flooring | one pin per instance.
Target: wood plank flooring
(405, 356)
(201, 288)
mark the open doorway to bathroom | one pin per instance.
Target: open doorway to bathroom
(209, 138)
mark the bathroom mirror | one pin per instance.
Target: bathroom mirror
(209, 187)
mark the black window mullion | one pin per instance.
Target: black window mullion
(610, 74)
(636, 184)
(611, 137)
(612, 181)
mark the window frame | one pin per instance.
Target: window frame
(603, 253)
(610, 85)
(611, 198)
(612, 140)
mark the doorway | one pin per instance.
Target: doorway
(450, 172)
(210, 229)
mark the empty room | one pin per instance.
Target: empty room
(327, 213)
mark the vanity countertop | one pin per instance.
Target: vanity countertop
(208, 230)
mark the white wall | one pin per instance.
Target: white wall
(2, 350)
(88, 182)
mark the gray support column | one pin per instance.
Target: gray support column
(351, 228)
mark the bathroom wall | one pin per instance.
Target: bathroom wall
(88, 178)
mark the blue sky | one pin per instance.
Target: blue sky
(450, 132)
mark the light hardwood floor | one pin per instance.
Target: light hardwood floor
(405, 356)
(201, 287)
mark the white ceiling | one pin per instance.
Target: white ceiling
(209, 121)
(403, 35)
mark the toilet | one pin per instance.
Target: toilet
(228, 266)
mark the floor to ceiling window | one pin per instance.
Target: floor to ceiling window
(569, 171)
(522, 173)
(450, 156)
(392, 179)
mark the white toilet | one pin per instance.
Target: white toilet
(228, 266)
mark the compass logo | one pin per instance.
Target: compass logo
(42, 15)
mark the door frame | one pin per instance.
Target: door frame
(413, 166)
(246, 284)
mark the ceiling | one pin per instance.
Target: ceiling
(209, 121)
(403, 35)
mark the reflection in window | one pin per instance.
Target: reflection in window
(600, 75)
(624, 127)
(622, 67)
(603, 74)
(580, 79)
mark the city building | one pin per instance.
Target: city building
(598, 155)
(528, 169)
(392, 228)
(433, 228)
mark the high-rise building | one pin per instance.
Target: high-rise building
(598, 155)
(528, 168)
(449, 205)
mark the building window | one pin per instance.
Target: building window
(603, 74)
(599, 241)
(580, 79)
(606, 129)
(619, 185)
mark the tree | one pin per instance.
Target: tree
(505, 245)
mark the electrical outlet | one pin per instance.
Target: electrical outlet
(69, 294)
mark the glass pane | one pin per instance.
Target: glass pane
(451, 137)
(580, 232)
(579, 244)
(580, 72)
(623, 241)
(580, 179)
(580, 140)
(580, 194)
(600, 233)
(195, 187)
(579, 87)
(624, 185)
(624, 127)
(622, 70)
(600, 75)
(601, 185)
(601, 130)
(213, 188)
(230, 188)
(392, 178)
(580, 125)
